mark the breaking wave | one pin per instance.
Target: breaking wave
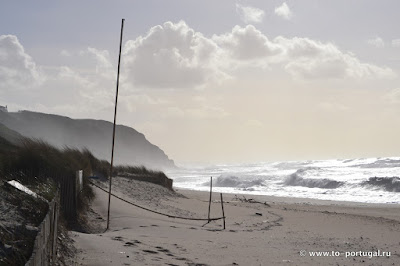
(235, 182)
(296, 179)
(381, 163)
(390, 184)
(370, 180)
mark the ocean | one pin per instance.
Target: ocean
(368, 180)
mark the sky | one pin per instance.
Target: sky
(214, 81)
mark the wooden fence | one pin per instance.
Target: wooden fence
(45, 247)
(69, 194)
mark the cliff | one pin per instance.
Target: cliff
(131, 146)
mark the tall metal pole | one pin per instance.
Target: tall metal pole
(115, 119)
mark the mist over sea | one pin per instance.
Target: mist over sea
(371, 180)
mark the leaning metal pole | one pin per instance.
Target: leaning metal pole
(115, 119)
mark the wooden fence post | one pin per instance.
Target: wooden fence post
(223, 212)
(209, 204)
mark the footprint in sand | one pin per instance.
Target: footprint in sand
(150, 251)
(161, 249)
(180, 248)
(129, 244)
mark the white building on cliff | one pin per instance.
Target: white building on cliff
(3, 109)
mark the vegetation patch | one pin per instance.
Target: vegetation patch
(141, 173)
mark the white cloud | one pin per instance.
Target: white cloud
(310, 59)
(77, 91)
(175, 56)
(103, 62)
(17, 68)
(396, 43)
(169, 56)
(57, 89)
(172, 56)
(284, 11)
(377, 42)
(250, 14)
(246, 43)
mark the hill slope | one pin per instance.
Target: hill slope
(9, 135)
(131, 147)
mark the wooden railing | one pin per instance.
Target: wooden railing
(45, 247)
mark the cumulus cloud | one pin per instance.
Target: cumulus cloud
(377, 42)
(284, 11)
(91, 87)
(171, 56)
(57, 89)
(246, 43)
(396, 43)
(310, 59)
(250, 14)
(17, 68)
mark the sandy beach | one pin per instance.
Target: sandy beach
(261, 231)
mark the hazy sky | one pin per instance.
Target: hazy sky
(215, 81)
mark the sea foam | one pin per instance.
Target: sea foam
(372, 180)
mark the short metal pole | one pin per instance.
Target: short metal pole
(209, 203)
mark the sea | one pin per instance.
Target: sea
(367, 180)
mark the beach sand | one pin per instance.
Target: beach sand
(277, 233)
